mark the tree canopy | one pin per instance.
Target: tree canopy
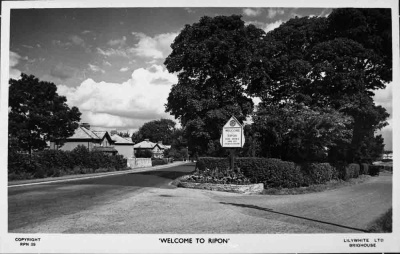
(329, 65)
(37, 114)
(157, 130)
(211, 58)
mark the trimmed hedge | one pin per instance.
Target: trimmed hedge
(364, 169)
(156, 162)
(275, 173)
(374, 169)
(54, 163)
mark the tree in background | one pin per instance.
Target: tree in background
(211, 58)
(37, 114)
(335, 62)
(157, 130)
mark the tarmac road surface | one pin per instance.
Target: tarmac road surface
(145, 203)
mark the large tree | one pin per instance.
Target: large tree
(37, 114)
(157, 130)
(211, 58)
(334, 62)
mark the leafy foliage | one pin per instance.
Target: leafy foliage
(211, 58)
(299, 133)
(219, 177)
(38, 114)
(157, 130)
(53, 163)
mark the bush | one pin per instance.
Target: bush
(318, 173)
(374, 169)
(363, 169)
(156, 162)
(53, 163)
(219, 177)
(353, 170)
(271, 172)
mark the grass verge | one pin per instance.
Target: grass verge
(334, 184)
(383, 224)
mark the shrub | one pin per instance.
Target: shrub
(363, 169)
(353, 170)
(374, 169)
(53, 163)
(318, 173)
(271, 172)
(156, 162)
(219, 177)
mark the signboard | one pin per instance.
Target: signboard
(232, 134)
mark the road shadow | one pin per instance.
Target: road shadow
(292, 215)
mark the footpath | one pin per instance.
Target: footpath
(91, 175)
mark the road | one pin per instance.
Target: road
(145, 203)
(29, 206)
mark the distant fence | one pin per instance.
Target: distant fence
(139, 162)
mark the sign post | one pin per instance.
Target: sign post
(232, 137)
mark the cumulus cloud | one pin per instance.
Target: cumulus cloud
(156, 47)
(252, 12)
(124, 69)
(272, 12)
(271, 26)
(14, 60)
(127, 105)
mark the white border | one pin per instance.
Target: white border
(149, 243)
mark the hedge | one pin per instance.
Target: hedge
(374, 169)
(275, 173)
(156, 162)
(53, 163)
(364, 169)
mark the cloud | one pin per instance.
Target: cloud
(129, 104)
(266, 26)
(113, 52)
(95, 68)
(14, 60)
(384, 97)
(118, 42)
(124, 69)
(62, 71)
(76, 40)
(86, 31)
(252, 12)
(272, 12)
(156, 47)
(107, 63)
(271, 26)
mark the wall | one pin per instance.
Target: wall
(125, 150)
(139, 162)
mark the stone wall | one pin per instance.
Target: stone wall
(139, 162)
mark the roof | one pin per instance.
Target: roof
(150, 145)
(118, 140)
(145, 144)
(83, 133)
(99, 134)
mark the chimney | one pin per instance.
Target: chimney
(86, 125)
(113, 132)
(146, 139)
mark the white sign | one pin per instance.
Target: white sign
(232, 134)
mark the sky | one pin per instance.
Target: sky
(109, 61)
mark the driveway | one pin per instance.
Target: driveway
(167, 209)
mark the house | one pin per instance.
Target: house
(124, 146)
(157, 149)
(93, 140)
